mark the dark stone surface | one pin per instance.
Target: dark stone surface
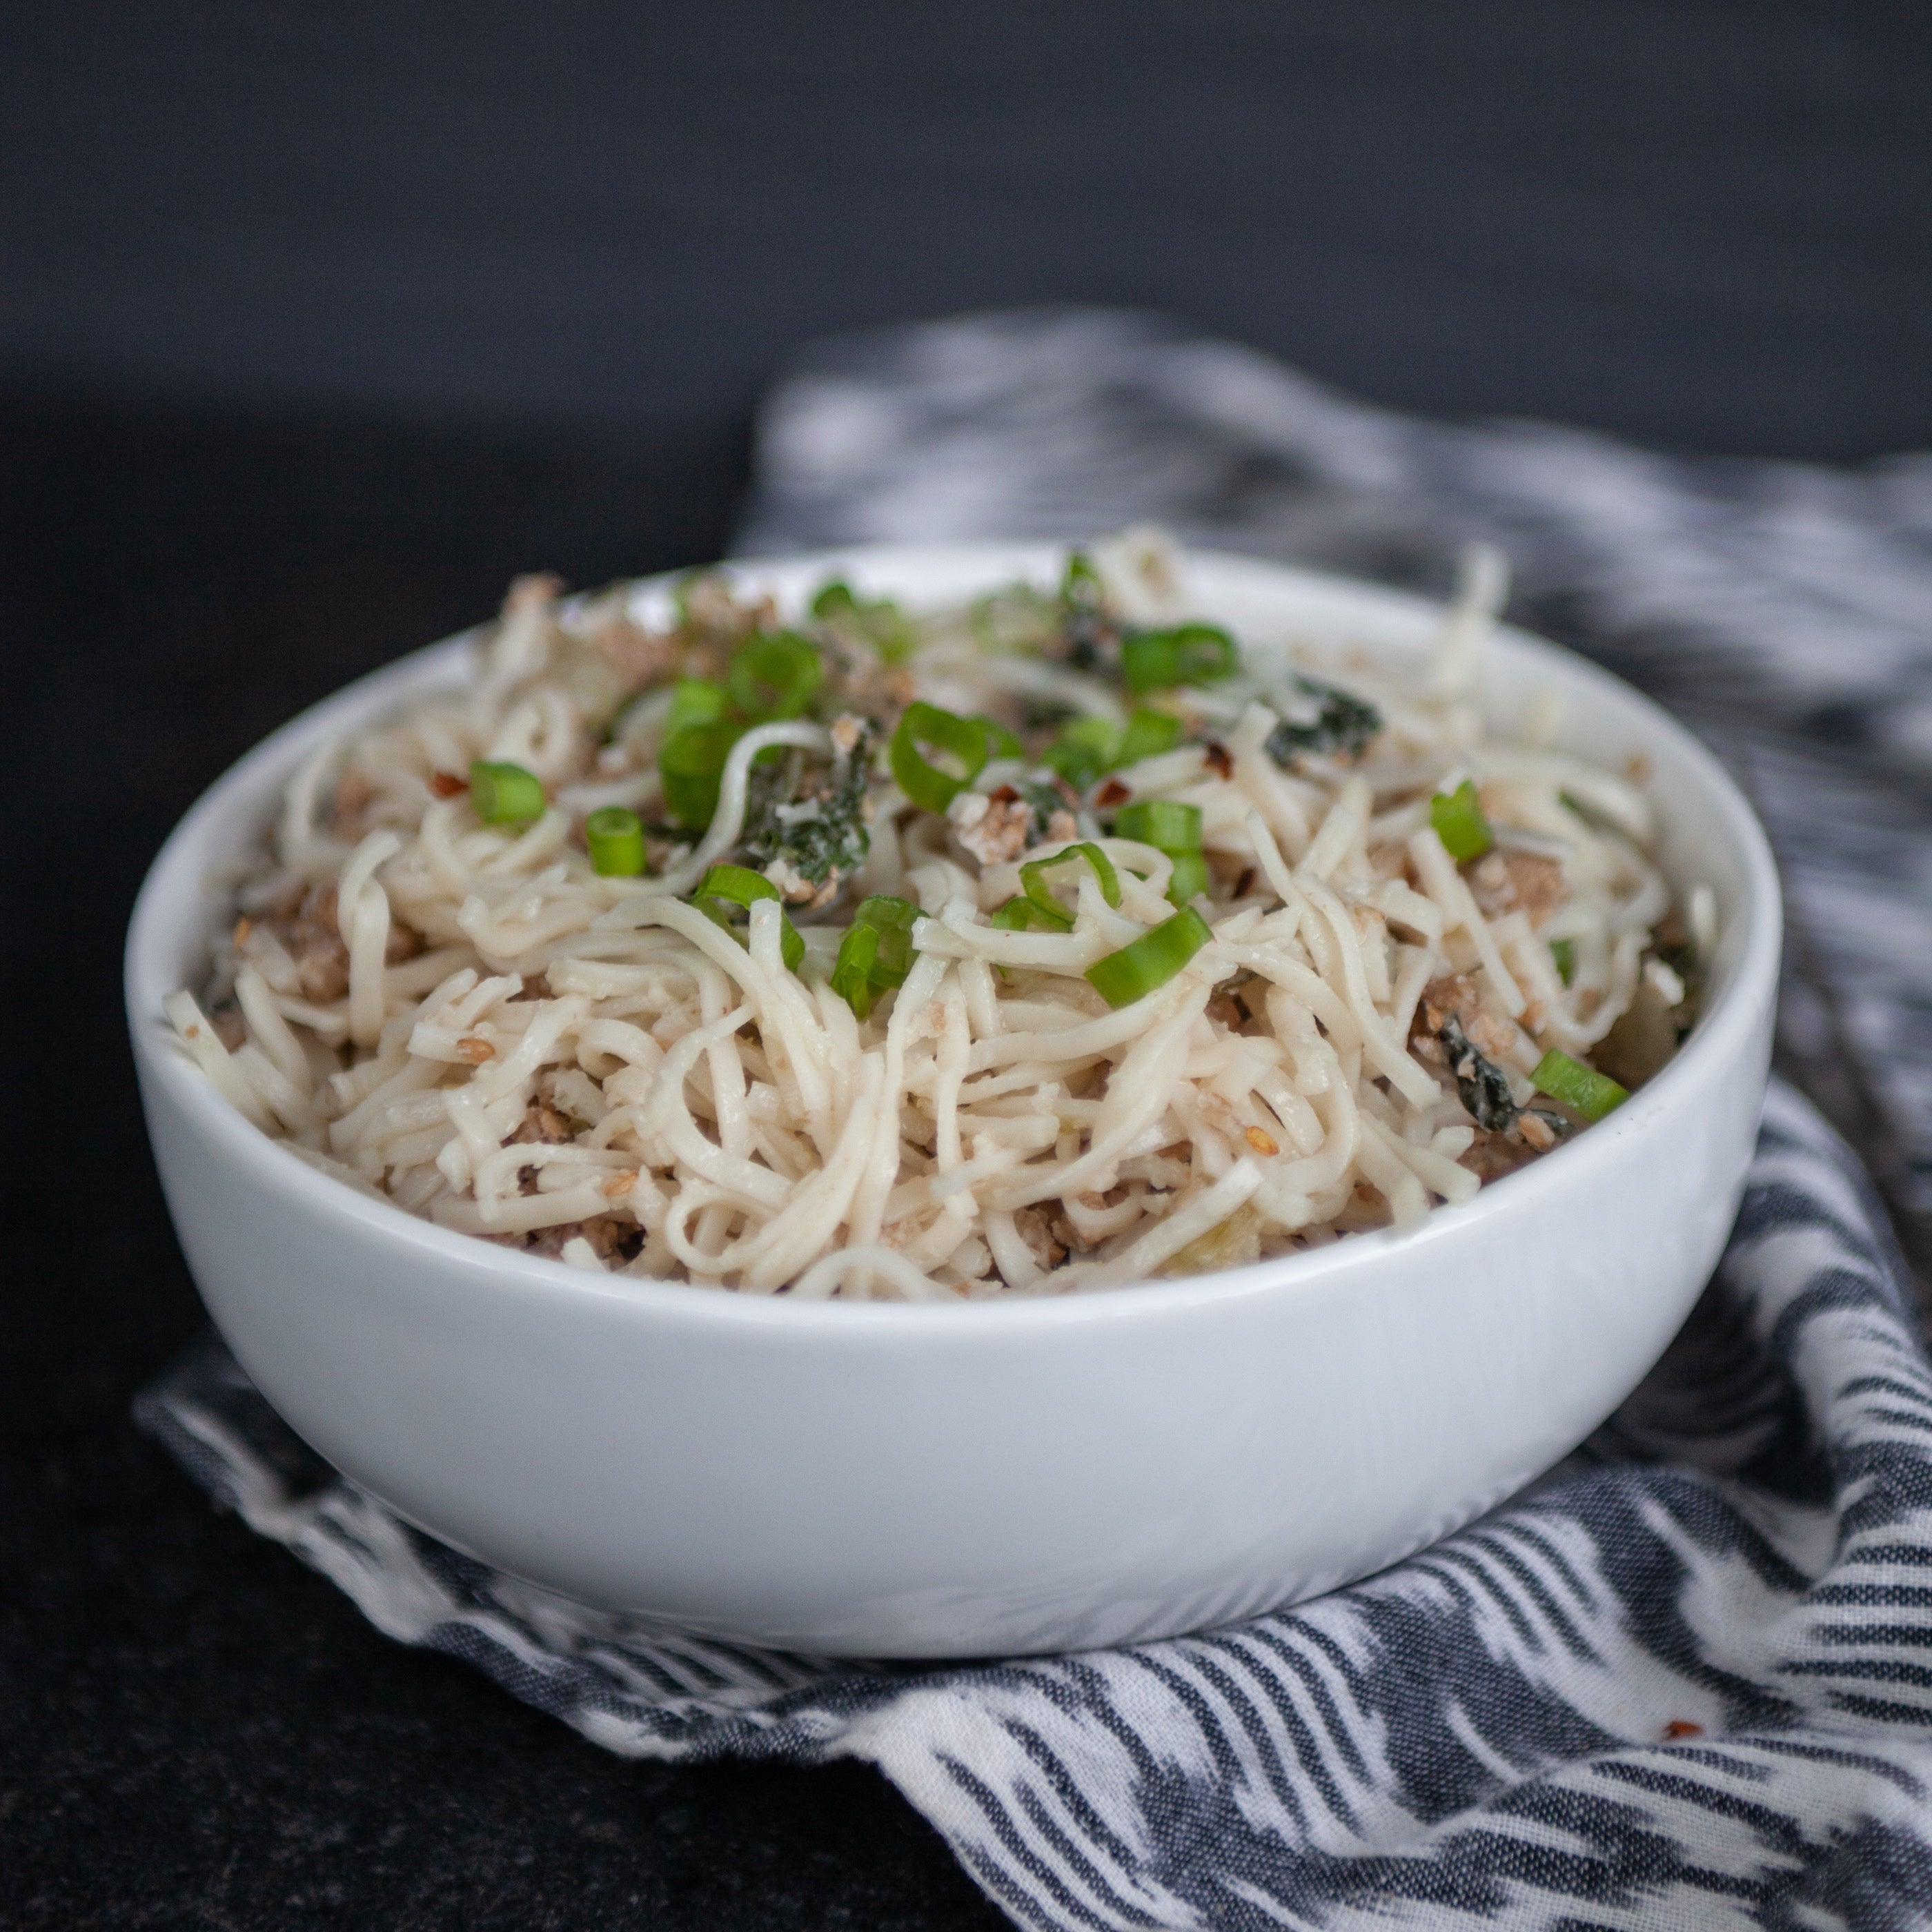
(194, 1730)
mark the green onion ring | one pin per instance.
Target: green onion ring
(1165, 824)
(501, 793)
(1188, 654)
(616, 839)
(876, 953)
(1591, 1094)
(1457, 816)
(964, 739)
(724, 887)
(691, 765)
(1033, 878)
(1146, 964)
(774, 676)
(1148, 735)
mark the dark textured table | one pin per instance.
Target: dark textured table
(194, 1730)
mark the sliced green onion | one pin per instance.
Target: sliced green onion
(963, 739)
(504, 793)
(1457, 816)
(690, 766)
(1188, 654)
(1170, 826)
(1084, 749)
(1149, 962)
(1564, 953)
(695, 701)
(878, 621)
(1033, 878)
(1148, 735)
(1000, 743)
(1191, 877)
(1019, 914)
(877, 953)
(616, 838)
(724, 887)
(1591, 1094)
(1165, 824)
(1080, 582)
(774, 676)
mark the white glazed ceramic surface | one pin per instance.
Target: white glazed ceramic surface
(900, 1480)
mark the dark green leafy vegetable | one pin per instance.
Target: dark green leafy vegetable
(819, 836)
(501, 793)
(616, 839)
(876, 953)
(1147, 963)
(1563, 953)
(1483, 1086)
(962, 740)
(1341, 724)
(725, 888)
(1457, 816)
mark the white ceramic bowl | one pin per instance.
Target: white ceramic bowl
(901, 1481)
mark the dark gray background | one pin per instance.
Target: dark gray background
(316, 323)
(1697, 221)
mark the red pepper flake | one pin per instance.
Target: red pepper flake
(1220, 760)
(1682, 1727)
(447, 784)
(1112, 793)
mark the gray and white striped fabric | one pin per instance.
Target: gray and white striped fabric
(1686, 1680)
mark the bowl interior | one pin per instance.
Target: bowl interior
(1709, 837)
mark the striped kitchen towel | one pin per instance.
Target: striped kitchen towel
(1686, 1680)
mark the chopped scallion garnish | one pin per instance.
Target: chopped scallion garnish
(877, 952)
(695, 701)
(616, 839)
(1084, 749)
(774, 676)
(1173, 828)
(1188, 654)
(690, 766)
(1457, 816)
(1020, 912)
(1564, 953)
(1032, 879)
(501, 793)
(1147, 963)
(962, 740)
(726, 886)
(1165, 824)
(1591, 1094)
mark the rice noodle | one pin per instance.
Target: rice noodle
(466, 1019)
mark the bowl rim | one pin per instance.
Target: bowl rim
(1723, 1030)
